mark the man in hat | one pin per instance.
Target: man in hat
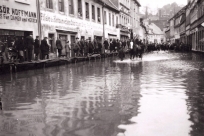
(29, 43)
(76, 47)
(37, 47)
(59, 46)
(67, 49)
(44, 48)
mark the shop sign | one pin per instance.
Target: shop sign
(48, 18)
(53, 28)
(7, 13)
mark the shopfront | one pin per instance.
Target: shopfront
(124, 35)
(68, 28)
(18, 19)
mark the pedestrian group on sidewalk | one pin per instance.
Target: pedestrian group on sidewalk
(20, 49)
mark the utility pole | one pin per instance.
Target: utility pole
(103, 39)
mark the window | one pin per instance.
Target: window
(99, 15)
(49, 4)
(71, 7)
(93, 12)
(110, 19)
(61, 5)
(113, 20)
(87, 10)
(79, 8)
(116, 20)
(105, 17)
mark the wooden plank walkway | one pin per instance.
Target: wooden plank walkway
(16, 66)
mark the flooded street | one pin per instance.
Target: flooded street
(163, 95)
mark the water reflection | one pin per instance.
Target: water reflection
(163, 96)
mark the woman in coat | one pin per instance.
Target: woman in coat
(44, 48)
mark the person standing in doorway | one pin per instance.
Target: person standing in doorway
(29, 44)
(68, 49)
(59, 46)
(44, 48)
(36, 47)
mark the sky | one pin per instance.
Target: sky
(154, 4)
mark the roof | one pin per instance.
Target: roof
(155, 29)
(137, 3)
(110, 4)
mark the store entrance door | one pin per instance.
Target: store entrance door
(63, 41)
(72, 38)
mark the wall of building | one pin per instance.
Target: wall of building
(55, 22)
(19, 16)
(134, 17)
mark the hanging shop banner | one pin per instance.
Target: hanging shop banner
(14, 14)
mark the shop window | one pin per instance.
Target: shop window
(49, 4)
(79, 8)
(110, 19)
(61, 5)
(99, 15)
(87, 10)
(71, 7)
(105, 17)
(93, 12)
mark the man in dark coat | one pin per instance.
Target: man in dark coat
(44, 48)
(59, 47)
(29, 43)
(37, 47)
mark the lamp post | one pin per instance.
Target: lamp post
(103, 49)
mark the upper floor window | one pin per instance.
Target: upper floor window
(113, 20)
(79, 8)
(71, 7)
(93, 12)
(49, 4)
(116, 20)
(87, 10)
(99, 14)
(110, 19)
(105, 17)
(61, 5)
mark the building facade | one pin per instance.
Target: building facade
(124, 24)
(135, 17)
(69, 19)
(18, 18)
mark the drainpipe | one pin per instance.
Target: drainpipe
(39, 25)
(39, 20)
(103, 48)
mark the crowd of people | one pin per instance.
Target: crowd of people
(20, 49)
(180, 47)
(27, 49)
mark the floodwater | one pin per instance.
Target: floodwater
(162, 95)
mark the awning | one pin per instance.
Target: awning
(66, 31)
(124, 34)
(112, 36)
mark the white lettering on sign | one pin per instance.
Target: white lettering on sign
(61, 20)
(8, 13)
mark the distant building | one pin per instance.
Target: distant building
(155, 34)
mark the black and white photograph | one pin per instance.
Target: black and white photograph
(101, 67)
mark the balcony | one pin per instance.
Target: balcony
(122, 27)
